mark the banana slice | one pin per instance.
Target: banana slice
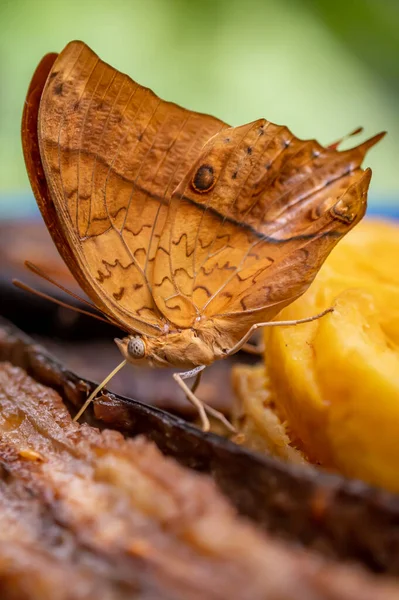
(335, 381)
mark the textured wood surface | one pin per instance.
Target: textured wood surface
(344, 519)
(90, 515)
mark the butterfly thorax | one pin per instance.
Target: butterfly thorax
(185, 349)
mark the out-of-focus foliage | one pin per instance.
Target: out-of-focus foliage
(321, 67)
(370, 31)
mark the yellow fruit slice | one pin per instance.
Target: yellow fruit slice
(336, 380)
(254, 417)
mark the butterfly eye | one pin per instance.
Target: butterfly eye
(136, 347)
(204, 179)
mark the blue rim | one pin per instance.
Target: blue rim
(23, 205)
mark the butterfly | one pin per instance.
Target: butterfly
(187, 233)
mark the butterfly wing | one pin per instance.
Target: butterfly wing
(254, 213)
(252, 222)
(104, 155)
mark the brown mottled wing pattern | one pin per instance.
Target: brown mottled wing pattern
(252, 222)
(112, 153)
(169, 216)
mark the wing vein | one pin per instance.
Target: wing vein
(81, 136)
(177, 136)
(100, 142)
(221, 225)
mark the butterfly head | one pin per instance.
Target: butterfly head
(133, 348)
(136, 347)
(182, 348)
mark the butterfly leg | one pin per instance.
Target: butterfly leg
(197, 381)
(256, 349)
(179, 377)
(200, 406)
(241, 343)
(256, 345)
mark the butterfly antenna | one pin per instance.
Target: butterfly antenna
(98, 389)
(38, 271)
(27, 288)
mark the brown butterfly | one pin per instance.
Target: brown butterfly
(185, 232)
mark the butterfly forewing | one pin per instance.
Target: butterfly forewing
(113, 152)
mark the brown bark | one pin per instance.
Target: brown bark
(88, 514)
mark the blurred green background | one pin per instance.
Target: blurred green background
(320, 67)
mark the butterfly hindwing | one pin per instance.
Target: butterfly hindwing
(252, 222)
